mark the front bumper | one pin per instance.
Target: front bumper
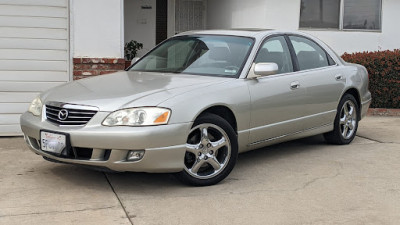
(108, 147)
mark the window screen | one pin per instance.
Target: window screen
(356, 14)
(319, 14)
(362, 14)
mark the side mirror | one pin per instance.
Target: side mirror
(265, 69)
(134, 60)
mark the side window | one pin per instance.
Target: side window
(309, 54)
(275, 50)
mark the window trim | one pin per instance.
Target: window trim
(341, 20)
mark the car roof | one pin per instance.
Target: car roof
(248, 32)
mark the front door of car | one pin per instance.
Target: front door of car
(277, 101)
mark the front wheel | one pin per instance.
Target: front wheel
(211, 151)
(346, 122)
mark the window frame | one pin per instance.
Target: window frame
(288, 45)
(328, 57)
(341, 20)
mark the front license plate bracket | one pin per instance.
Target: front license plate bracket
(56, 143)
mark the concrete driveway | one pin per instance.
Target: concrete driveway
(300, 182)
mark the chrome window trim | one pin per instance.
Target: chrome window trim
(294, 72)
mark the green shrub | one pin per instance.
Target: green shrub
(131, 48)
(384, 75)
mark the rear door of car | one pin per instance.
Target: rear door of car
(322, 79)
(278, 101)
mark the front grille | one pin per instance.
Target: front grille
(70, 116)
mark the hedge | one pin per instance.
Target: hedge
(384, 76)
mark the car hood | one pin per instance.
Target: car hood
(128, 89)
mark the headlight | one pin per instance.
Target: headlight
(36, 107)
(145, 116)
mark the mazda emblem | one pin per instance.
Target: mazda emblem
(63, 114)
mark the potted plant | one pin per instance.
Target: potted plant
(131, 49)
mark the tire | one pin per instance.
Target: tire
(346, 122)
(211, 151)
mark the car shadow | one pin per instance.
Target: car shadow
(282, 150)
(149, 183)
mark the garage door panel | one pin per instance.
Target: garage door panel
(17, 97)
(13, 108)
(28, 21)
(10, 130)
(27, 86)
(33, 65)
(42, 11)
(32, 54)
(23, 32)
(21, 43)
(60, 3)
(8, 119)
(34, 76)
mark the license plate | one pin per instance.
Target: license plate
(52, 142)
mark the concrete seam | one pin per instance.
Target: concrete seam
(370, 139)
(119, 200)
(67, 211)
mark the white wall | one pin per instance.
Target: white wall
(252, 14)
(140, 24)
(285, 15)
(97, 28)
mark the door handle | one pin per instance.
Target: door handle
(294, 85)
(339, 77)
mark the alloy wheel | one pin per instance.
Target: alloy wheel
(208, 151)
(348, 119)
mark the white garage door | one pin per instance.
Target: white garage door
(34, 54)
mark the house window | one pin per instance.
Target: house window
(362, 14)
(319, 13)
(341, 14)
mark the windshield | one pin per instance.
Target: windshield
(201, 54)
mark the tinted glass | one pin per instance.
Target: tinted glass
(276, 50)
(362, 14)
(204, 55)
(319, 13)
(309, 54)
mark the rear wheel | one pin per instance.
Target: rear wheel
(211, 151)
(346, 122)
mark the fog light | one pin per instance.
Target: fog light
(135, 155)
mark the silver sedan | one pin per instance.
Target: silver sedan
(195, 101)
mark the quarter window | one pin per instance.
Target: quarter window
(309, 54)
(275, 50)
(341, 14)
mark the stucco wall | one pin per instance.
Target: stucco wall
(285, 15)
(97, 28)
